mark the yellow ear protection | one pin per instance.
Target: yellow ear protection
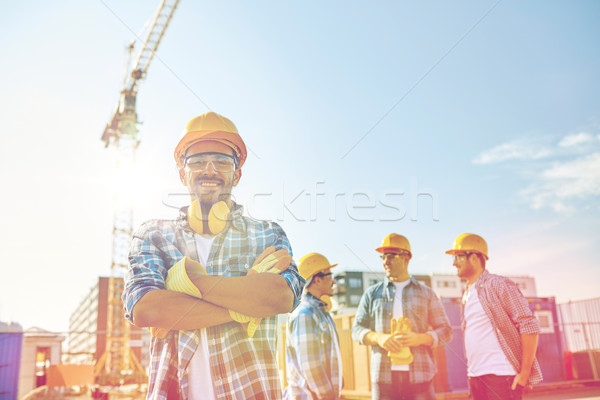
(217, 218)
(327, 300)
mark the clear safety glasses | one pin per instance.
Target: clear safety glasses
(219, 162)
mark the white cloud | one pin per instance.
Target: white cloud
(559, 186)
(518, 149)
(568, 183)
(577, 139)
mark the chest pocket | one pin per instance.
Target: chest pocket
(238, 266)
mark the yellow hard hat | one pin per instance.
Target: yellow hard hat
(394, 243)
(311, 264)
(469, 243)
(211, 127)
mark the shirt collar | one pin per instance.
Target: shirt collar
(312, 299)
(482, 278)
(389, 283)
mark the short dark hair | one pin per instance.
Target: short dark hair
(481, 259)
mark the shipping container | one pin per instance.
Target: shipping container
(11, 342)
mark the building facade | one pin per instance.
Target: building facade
(88, 324)
(41, 349)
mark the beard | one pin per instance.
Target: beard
(466, 271)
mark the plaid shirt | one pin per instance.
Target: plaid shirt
(241, 367)
(510, 316)
(422, 306)
(312, 351)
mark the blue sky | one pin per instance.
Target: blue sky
(428, 120)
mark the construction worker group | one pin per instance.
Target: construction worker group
(210, 284)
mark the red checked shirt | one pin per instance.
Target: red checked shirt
(510, 316)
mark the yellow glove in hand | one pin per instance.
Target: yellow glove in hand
(404, 356)
(270, 261)
(179, 281)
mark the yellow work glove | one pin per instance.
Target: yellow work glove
(269, 261)
(179, 281)
(404, 356)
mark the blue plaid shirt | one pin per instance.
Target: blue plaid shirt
(312, 351)
(241, 367)
(422, 306)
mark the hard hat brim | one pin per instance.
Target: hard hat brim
(454, 252)
(230, 139)
(390, 249)
(310, 278)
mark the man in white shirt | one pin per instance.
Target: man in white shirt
(500, 331)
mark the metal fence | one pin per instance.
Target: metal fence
(579, 323)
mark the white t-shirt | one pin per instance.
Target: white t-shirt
(484, 354)
(200, 382)
(398, 312)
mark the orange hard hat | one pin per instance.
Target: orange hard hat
(211, 127)
(394, 243)
(469, 243)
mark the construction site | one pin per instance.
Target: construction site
(101, 355)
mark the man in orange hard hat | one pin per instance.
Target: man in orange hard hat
(401, 319)
(313, 360)
(210, 284)
(500, 331)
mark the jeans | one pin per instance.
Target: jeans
(402, 389)
(494, 387)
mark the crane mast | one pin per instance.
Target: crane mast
(119, 364)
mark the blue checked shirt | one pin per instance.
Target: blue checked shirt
(241, 367)
(422, 306)
(312, 352)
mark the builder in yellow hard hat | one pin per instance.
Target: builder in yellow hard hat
(210, 283)
(313, 360)
(500, 331)
(419, 322)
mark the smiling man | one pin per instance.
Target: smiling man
(210, 283)
(401, 296)
(500, 331)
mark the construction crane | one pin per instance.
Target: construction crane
(119, 364)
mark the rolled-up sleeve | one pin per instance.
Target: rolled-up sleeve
(518, 309)
(291, 275)
(147, 270)
(438, 320)
(362, 321)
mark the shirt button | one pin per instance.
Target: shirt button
(179, 374)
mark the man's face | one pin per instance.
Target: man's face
(204, 176)
(464, 266)
(325, 282)
(395, 265)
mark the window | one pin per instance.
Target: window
(355, 283)
(340, 285)
(355, 300)
(446, 284)
(546, 321)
